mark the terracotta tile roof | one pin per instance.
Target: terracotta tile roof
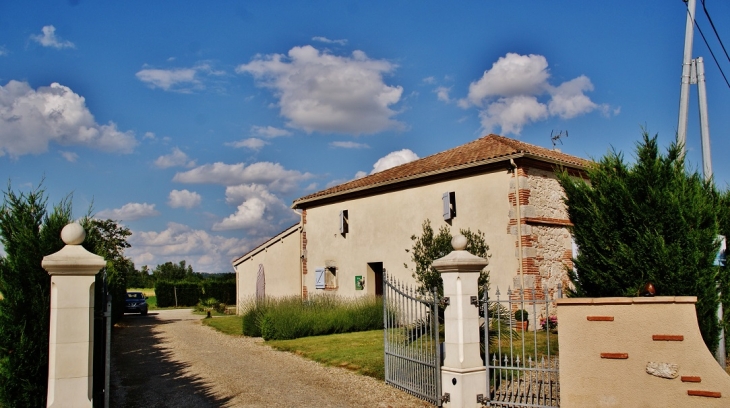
(487, 149)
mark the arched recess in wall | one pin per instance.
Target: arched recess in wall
(261, 283)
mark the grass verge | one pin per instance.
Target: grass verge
(361, 352)
(226, 324)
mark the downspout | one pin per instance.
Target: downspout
(519, 225)
(301, 254)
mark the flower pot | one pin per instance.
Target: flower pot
(522, 326)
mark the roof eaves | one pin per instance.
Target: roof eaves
(298, 202)
(283, 234)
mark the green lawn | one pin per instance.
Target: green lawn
(226, 324)
(361, 352)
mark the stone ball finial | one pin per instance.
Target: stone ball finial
(458, 242)
(73, 234)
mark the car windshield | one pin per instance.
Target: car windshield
(135, 295)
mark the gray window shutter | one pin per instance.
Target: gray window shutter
(319, 278)
(446, 198)
(449, 204)
(343, 222)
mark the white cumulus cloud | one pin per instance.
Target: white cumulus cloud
(349, 145)
(169, 79)
(30, 119)
(274, 175)
(49, 38)
(177, 158)
(269, 131)
(393, 159)
(203, 251)
(321, 92)
(328, 41)
(568, 99)
(252, 143)
(129, 212)
(257, 210)
(516, 92)
(69, 156)
(183, 198)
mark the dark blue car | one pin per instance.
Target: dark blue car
(135, 302)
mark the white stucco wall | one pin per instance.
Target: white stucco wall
(280, 257)
(380, 228)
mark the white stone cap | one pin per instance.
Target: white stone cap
(459, 260)
(73, 259)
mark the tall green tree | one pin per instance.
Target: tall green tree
(651, 221)
(173, 272)
(28, 233)
(108, 239)
(430, 246)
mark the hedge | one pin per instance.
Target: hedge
(191, 293)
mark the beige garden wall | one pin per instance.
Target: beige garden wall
(280, 257)
(380, 228)
(609, 346)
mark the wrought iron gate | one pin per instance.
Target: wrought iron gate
(522, 361)
(412, 340)
(102, 341)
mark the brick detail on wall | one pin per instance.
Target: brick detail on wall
(543, 234)
(615, 356)
(667, 337)
(599, 318)
(304, 292)
(691, 378)
(702, 393)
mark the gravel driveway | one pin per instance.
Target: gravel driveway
(169, 359)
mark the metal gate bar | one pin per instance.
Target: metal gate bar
(411, 339)
(522, 368)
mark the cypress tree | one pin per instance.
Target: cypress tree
(28, 233)
(652, 221)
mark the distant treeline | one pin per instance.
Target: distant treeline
(171, 272)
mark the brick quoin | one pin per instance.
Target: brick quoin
(304, 244)
(530, 266)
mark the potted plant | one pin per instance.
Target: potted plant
(522, 321)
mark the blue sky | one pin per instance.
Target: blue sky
(197, 123)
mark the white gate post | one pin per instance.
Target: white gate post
(463, 374)
(70, 344)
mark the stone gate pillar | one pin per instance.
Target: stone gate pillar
(463, 374)
(71, 343)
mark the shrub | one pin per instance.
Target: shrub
(521, 315)
(190, 293)
(291, 318)
(651, 221)
(210, 305)
(28, 232)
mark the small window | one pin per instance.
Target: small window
(330, 278)
(344, 223)
(449, 202)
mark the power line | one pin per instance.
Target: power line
(710, 49)
(715, 30)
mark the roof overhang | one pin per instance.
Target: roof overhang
(427, 176)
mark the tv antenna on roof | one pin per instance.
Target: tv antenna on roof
(556, 137)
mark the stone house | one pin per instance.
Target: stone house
(351, 233)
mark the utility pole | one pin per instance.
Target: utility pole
(686, 74)
(693, 72)
(699, 65)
